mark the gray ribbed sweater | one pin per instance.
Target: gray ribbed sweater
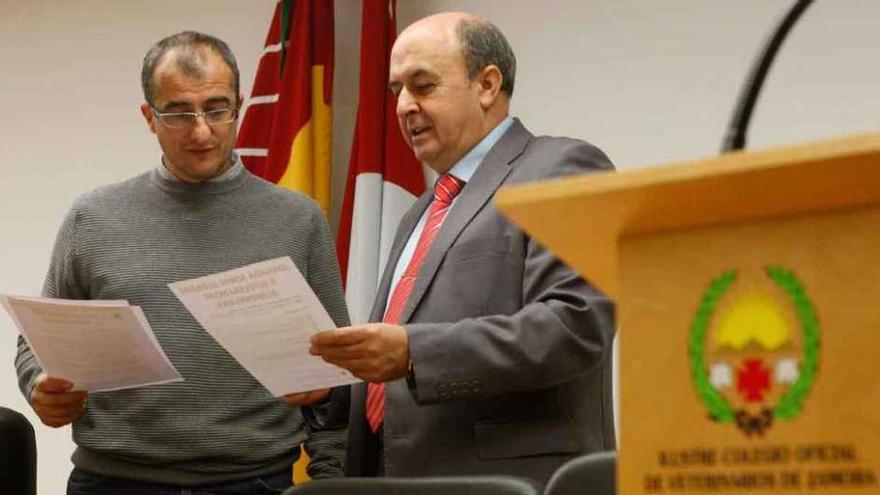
(128, 241)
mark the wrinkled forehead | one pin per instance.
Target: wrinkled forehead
(425, 50)
(178, 88)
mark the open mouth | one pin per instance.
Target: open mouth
(418, 131)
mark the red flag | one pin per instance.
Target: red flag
(384, 177)
(286, 134)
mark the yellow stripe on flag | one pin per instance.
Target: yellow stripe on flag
(309, 168)
(300, 473)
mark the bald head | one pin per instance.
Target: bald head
(444, 21)
(446, 73)
(479, 42)
(440, 26)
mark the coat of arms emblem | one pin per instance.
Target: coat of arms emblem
(754, 348)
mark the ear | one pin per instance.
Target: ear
(489, 80)
(147, 112)
(240, 102)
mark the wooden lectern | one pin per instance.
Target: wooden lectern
(748, 301)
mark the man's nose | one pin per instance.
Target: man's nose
(406, 104)
(200, 128)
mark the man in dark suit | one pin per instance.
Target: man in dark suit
(491, 356)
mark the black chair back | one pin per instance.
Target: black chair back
(18, 454)
(466, 485)
(591, 474)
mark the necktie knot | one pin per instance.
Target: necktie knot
(447, 188)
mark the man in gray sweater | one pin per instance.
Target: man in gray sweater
(198, 212)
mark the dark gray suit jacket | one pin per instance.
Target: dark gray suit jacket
(510, 348)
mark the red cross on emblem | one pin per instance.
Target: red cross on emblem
(753, 380)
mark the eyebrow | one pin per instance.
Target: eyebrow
(217, 99)
(413, 75)
(175, 105)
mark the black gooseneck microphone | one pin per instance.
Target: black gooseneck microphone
(735, 136)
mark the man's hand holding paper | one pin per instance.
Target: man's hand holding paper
(375, 352)
(309, 398)
(55, 403)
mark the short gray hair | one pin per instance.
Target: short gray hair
(483, 44)
(190, 62)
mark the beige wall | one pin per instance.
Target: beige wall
(655, 81)
(648, 81)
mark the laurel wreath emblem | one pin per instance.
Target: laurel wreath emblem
(791, 402)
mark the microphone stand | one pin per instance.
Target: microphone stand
(735, 136)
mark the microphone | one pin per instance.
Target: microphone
(735, 136)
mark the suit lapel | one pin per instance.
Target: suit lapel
(494, 168)
(404, 230)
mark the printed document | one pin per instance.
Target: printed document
(263, 314)
(98, 345)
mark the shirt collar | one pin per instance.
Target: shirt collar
(465, 168)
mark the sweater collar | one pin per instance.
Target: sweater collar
(231, 179)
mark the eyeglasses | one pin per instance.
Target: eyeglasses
(181, 120)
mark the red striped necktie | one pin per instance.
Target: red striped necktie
(446, 189)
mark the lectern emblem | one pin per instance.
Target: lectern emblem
(754, 348)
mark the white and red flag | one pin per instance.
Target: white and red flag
(384, 177)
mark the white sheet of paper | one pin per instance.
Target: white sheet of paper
(263, 314)
(98, 345)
